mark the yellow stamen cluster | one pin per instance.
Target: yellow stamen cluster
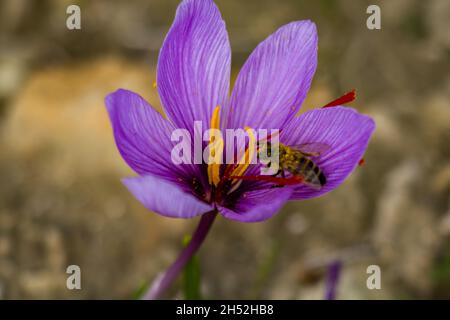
(247, 157)
(216, 145)
(216, 150)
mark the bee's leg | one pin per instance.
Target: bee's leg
(277, 173)
(280, 171)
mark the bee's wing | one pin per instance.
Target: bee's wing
(312, 149)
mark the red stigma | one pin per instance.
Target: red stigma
(229, 169)
(277, 180)
(346, 98)
(361, 162)
(269, 136)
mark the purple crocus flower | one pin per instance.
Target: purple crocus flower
(193, 79)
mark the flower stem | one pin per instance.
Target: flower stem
(163, 282)
(334, 271)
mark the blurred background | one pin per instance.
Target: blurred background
(62, 203)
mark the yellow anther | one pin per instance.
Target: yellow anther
(216, 150)
(215, 119)
(154, 84)
(246, 159)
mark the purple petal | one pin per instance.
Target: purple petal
(165, 198)
(275, 79)
(344, 130)
(194, 64)
(257, 205)
(143, 136)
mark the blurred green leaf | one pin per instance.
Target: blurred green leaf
(441, 272)
(140, 291)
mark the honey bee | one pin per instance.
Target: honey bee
(298, 162)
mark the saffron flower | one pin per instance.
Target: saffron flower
(193, 81)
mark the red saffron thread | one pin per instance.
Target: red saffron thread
(346, 98)
(277, 180)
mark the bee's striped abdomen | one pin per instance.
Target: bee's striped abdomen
(309, 170)
(322, 178)
(299, 164)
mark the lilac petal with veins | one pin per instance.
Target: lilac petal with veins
(143, 137)
(194, 64)
(165, 198)
(257, 205)
(274, 81)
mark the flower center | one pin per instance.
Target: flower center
(221, 184)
